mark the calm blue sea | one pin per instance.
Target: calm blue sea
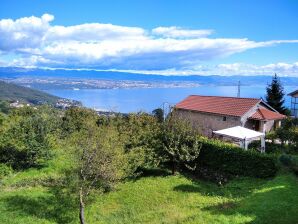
(147, 99)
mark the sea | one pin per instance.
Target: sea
(147, 99)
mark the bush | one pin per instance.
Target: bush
(289, 161)
(286, 160)
(275, 148)
(215, 176)
(234, 160)
(4, 170)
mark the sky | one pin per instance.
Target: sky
(169, 37)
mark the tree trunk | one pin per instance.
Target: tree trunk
(82, 206)
(173, 167)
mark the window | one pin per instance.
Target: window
(224, 118)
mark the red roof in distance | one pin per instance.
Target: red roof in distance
(264, 114)
(293, 93)
(230, 106)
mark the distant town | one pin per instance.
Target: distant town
(76, 84)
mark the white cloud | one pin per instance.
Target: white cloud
(94, 32)
(178, 32)
(94, 45)
(26, 32)
(282, 69)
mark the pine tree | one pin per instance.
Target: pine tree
(275, 95)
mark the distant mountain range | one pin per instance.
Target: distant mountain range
(11, 73)
(12, 92)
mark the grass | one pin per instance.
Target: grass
(176, 199)
(32, 197)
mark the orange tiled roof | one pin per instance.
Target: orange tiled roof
(230, 106)
(264, 114)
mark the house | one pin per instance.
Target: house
(18, 104)
(211, 113)
(294, 103)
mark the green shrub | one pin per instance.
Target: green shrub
(271, 148)
(4, 170)
(234, 160)
(289, 161)
(286, 160)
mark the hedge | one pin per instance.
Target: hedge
(234, 160)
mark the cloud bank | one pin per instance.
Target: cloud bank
(283, 69)
(33, 41)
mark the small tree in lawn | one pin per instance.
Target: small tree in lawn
(99, 162)
(275, 95)
(181, 144)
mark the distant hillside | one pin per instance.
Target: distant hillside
(258, 79)
(13, 92)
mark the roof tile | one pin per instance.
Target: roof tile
(264, 114)
(230, 106)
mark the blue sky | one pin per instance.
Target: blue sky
(162, 37)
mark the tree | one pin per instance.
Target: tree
(140, 134)
(159, 114)
(4, 107)
(288, 132)
(77, 119)
(275, 95)
(181, 143)
(25, 137)
(99, 162)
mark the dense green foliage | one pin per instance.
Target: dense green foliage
(25, 137)
(12, 92)
(282, 140)
(288, 132)
(140, 134)
(98, 158)
(4, 170)
(159, 114)
(4, 107)
(275, 95)
(77, 119)
(180, 144)
(234, 160)
(290, 161)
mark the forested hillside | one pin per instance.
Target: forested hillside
(12, 92)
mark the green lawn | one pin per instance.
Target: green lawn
(152, 199)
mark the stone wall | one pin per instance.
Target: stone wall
(206, 123)
(269, 125)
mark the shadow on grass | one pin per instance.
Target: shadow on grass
(237, 188)
(188, 188)
(157, 172)
(56, 205)
(276, 202)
